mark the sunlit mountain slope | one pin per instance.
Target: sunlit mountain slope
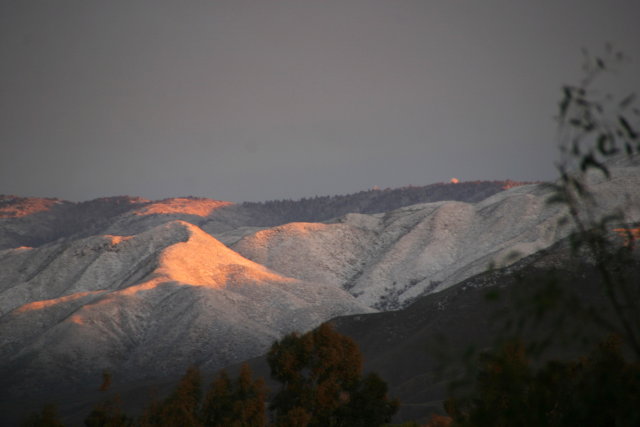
(145, 306)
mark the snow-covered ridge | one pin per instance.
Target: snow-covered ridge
(35, 221)
(387, 260)
(147, 305)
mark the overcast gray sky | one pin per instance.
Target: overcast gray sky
(263, 99)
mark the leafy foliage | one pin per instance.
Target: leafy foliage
(604, 388)
(600, 390)
(595, 127)
(108, 413)
(235, 403)
(181, 407)
(322, 384)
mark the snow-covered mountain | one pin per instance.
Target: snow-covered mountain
(34, 221)
(146, 305)
(387, 260)
(144, 288)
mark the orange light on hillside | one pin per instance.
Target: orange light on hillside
(39, 305)
(18, 207)
(630, 235)
(116, 240)
(183, 205)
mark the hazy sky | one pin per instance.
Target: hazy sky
(263, 99)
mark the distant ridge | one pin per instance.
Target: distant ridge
(145, 288)
(322, 208)
(34, 221)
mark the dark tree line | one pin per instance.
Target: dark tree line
(601, 389)
(321, 384)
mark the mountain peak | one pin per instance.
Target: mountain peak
(202, 260)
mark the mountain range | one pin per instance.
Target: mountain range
(144, 288)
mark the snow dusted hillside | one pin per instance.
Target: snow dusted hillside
(146, 305)
(35, 221)
(145, 288)
(387, 260)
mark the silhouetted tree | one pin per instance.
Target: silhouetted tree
(181, 408)
(107, 413)
(249, 400)
(320, 373)
(604, 388)
(235, 404)
(594, 128)
(217, 408)
(369, 404)
(600, 390)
